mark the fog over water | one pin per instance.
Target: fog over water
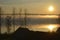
(33, 22)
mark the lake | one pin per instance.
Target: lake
(32, 22)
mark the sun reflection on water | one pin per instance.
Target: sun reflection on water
(52, 28)
(44, 27)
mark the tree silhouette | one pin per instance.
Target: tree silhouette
(8, 24)
(25, 17)
(20, 22)
(0, 19)
(13, 14)
(58, 21)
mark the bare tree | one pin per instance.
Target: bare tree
(59, 20)
(0, 19)
(8, 24)
(13, 14)
(20, 22)
(25, 22)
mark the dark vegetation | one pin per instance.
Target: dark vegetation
(25, 34)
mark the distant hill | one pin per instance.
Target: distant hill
(25, 34)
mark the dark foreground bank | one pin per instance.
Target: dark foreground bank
(25, 34)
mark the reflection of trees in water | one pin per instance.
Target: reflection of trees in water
(9, 22)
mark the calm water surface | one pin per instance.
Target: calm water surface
(35, 23)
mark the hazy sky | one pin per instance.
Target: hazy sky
(32, 6)
(35, 6)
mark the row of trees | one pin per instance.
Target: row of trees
(8, 20)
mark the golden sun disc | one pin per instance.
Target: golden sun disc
(51, 8)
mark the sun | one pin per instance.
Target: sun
(51, 8)
(51, 27)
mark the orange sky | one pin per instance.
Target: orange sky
(32, 6)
